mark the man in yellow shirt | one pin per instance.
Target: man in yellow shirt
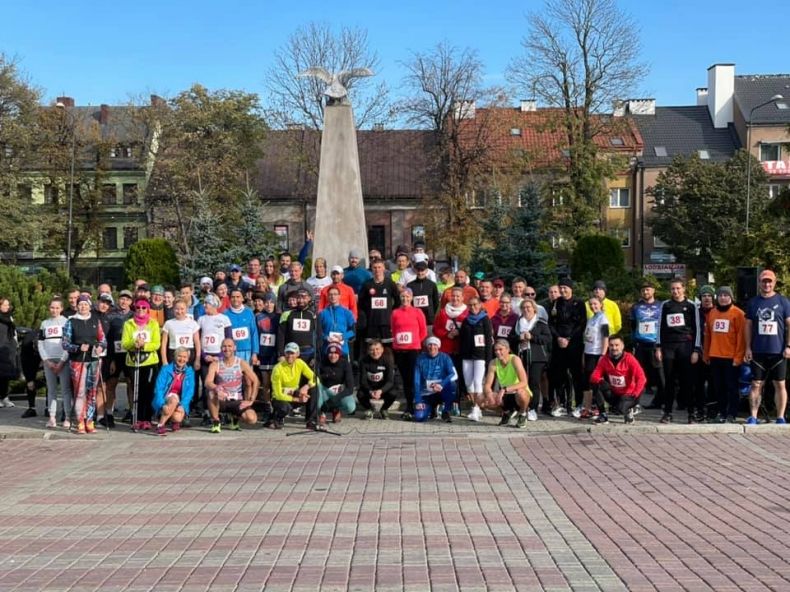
(293, 384)
(610, 308)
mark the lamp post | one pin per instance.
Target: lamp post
(70, 223)
(749, 152)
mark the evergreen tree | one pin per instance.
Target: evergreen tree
(208, 249)
(248, 234)
(515, 245)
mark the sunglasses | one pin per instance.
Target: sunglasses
(530, 294)
(141, 308)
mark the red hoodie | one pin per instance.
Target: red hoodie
(626, 379)
(408, 328)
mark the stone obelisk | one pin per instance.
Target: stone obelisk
(340, 215)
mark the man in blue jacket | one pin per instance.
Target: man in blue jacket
(435, 382)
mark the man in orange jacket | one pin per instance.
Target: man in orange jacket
(724, 348)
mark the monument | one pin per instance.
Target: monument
(340, 214)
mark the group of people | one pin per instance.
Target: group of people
(262, 345)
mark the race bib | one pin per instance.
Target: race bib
(421, 301)
(429, 384)
(336, 389)
(480, 340)
(676, 320)
(449, 326)
(267, 339)
(378, 303)
(768, 328)
(404, 338)
(647, 327)
(241, 333)
(503, 331)
(144, 335)
(375, 376)
(211, 342)
(721, 326)
(301, 324)
(118, 345)
(336, 336)
(617, 381)
(53, 332)
(288, 391)
(183, 340)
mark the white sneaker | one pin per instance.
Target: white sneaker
(559, 412)
(8, 402)
(532, 415)
(577, 413)
(52, 423)
(475, 414)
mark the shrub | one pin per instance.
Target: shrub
(30, 294)
(153, 259)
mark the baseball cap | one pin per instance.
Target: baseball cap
(291, 348)
(205, 280)
(106, 298)
(479, 275)
(419, 257)
(234, 267)
(337, 269)
(211, 300)
(157, 290)
(144, 287)
(767, 274)
(125, 294)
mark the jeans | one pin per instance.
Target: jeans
(53, 378)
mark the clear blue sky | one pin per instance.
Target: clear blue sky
(105, 52)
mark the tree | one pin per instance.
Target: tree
(580, 56)
(445, 88)
(22, 226)
(248, 235)
(515, 244)
(153, 259)
(300, 100)
(700, 208)
(206, 141)
(30, 294)
(206, 239)
(594, 256)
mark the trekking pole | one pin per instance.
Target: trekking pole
(135, 390)
(103, 389)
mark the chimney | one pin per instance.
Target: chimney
(641, 106)
(104, 114)
(157, 101)
(529, 105)
(721, 88)
(378, 126)
(65, 101)
(464, 110)
(618, 108)
(702, 96)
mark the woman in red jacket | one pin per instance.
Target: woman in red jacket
(408, 332)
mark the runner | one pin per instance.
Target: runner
(376, 381)
(175, 386)
(768, 345)
(377, 300)
(181, 332)
(348, 298)
(141, 340)
(487, 300)
(232, 387)
(645, 318)
(723, 351)
(83, 339)
(55, 361)
(293, 284)
(535, 351)
(243, 329)
(116, 358)
(620, 379)
(679, 343)
(293, 384)
(355, 275)
(425, 293)
(268, 322)
(507, 373)
(214, 328)
(408, 332)
(476, 346)
(434, 382)
(320, 279)
(336, 324)
(298, 326)
(336, 386)
(503, 323)
(447, 327)
(461, 281)
(609, 308)
(567, 319)
(596, 344)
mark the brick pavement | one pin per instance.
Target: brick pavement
(398, 511)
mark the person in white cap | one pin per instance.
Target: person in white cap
(409, 274)
(435, 380)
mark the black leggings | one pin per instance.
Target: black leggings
(605, 395)
(677, 368)
(534, 375)
(363, 397)
(405, 360)
(145, 390)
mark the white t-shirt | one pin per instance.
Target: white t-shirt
(212, 332)
(594, 334)
(180, 333)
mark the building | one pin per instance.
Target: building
(395, 167)
(108, 146)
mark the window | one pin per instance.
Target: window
(770, 152)
(774, 190)
(110, 238)
(50, 194)
(658, 243)
(377, 239)
(557, 242)
(616, 142)
(514, 131)
(781, 105)
(703, 154)
(108, 194)
(619, 198)
(131, 235)
(417, 234)
(660, 150)
(281, 230)
(121, 151)
(477, 199)
(621, 234)
(24, 192)
(129, 194)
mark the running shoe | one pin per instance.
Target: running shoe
(29, 412)
(752, 420)
(81, 427)
(666, 418)
(90, 427)
(235, 426)
(175, 426)
(506, 417)
(52, 423)
(368, 414)
(216, 427)
(475, 414)
(446, 418)
(521, 422)
(337, 416)
(629, 416)
(384, 414)
(161, 430)
(781, 421)
(601, 419)
(7, 403)
(532, 415)
(577, 413)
